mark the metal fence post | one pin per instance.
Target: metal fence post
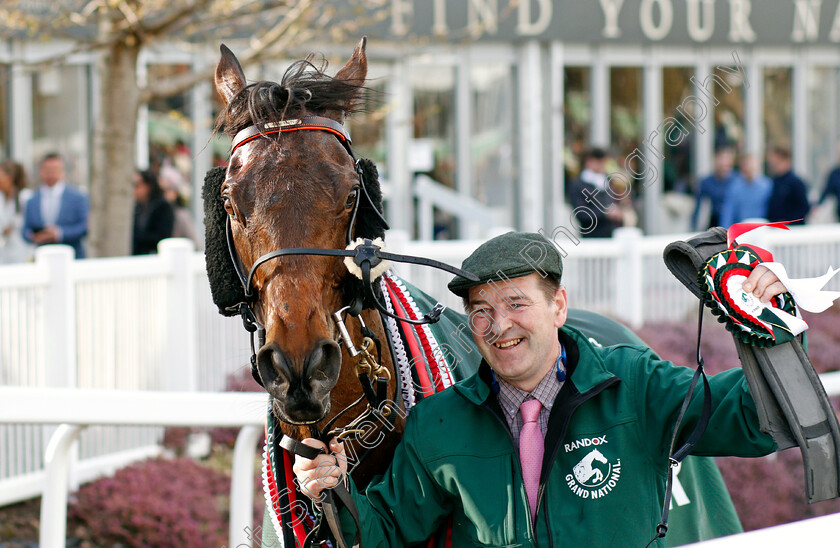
(242, 482)
(181, 371)
(629, 281)
(57, 462)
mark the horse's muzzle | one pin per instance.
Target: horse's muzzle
(301, 389)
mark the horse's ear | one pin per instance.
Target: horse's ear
(355, 71)
(230, 79)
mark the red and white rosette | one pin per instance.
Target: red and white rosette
(759, 323)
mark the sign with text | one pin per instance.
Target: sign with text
(688, 22)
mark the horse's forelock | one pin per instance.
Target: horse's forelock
(304, 89)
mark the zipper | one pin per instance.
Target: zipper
(572, 407)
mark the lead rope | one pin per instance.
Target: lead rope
(676, 457)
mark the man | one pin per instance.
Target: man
(789, 197)
(554, 441)
(832, 188)
(57, 213)
(714, 187)
(748, 195)
(595, 207)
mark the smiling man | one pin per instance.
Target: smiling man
(554, 441)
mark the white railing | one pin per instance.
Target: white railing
(812, 532)
(75, 409)
(130, 323)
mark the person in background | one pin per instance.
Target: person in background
(57, 213)
(175, 189)
(789, 197)
(747, 197)
(832, 188)
(153, 215)
(13, 249)
(714, 187)
(591, 198)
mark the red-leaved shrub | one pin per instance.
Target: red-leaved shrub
(769, 490)
(159, 502)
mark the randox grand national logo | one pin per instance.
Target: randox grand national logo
(594, 476)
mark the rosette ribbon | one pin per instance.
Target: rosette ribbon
(759, 323)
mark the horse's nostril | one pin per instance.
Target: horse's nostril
(272, 364)
(323, 364)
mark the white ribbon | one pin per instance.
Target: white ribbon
(807, 292)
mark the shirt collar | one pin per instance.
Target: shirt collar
(594, 178)
(511, 397)
(56, 189)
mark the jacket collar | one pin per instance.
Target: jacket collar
(578, 350)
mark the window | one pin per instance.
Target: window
(625, 111)
(492, 145)
(60, 115)
(778, 103)
(676, 86)
(577, 115)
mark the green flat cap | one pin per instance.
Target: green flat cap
(510, 255)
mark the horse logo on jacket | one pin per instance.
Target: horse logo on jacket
(584, 471)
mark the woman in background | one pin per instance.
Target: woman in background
(175, 189)
(153, 216)
(13, 195)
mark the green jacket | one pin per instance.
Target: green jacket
(606, 456)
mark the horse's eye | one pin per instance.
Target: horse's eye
(229, 208)
(351, 198)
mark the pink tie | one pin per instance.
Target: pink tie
(531, 450)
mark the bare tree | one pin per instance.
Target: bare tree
(117, 30)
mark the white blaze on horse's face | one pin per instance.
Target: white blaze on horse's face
(288, 191)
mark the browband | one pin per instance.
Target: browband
(293, 124)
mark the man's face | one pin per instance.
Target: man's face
(778, 164)
(52, 171)
(748, 167)
(724, 160)
(516, 331)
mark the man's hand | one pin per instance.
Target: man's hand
(325, 472)
(764, 284)
(49, 235)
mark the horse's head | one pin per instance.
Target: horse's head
(295, 189)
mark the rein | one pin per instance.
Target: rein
(367, 255)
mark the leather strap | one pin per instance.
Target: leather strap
(329, 507)
(296, 124)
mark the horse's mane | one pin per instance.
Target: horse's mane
(304, 88)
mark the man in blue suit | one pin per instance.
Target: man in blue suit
(57, 213)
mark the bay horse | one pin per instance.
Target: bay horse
(291, 190)
(278, 219)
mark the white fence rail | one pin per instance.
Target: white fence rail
(73, 410)
(148, 323)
